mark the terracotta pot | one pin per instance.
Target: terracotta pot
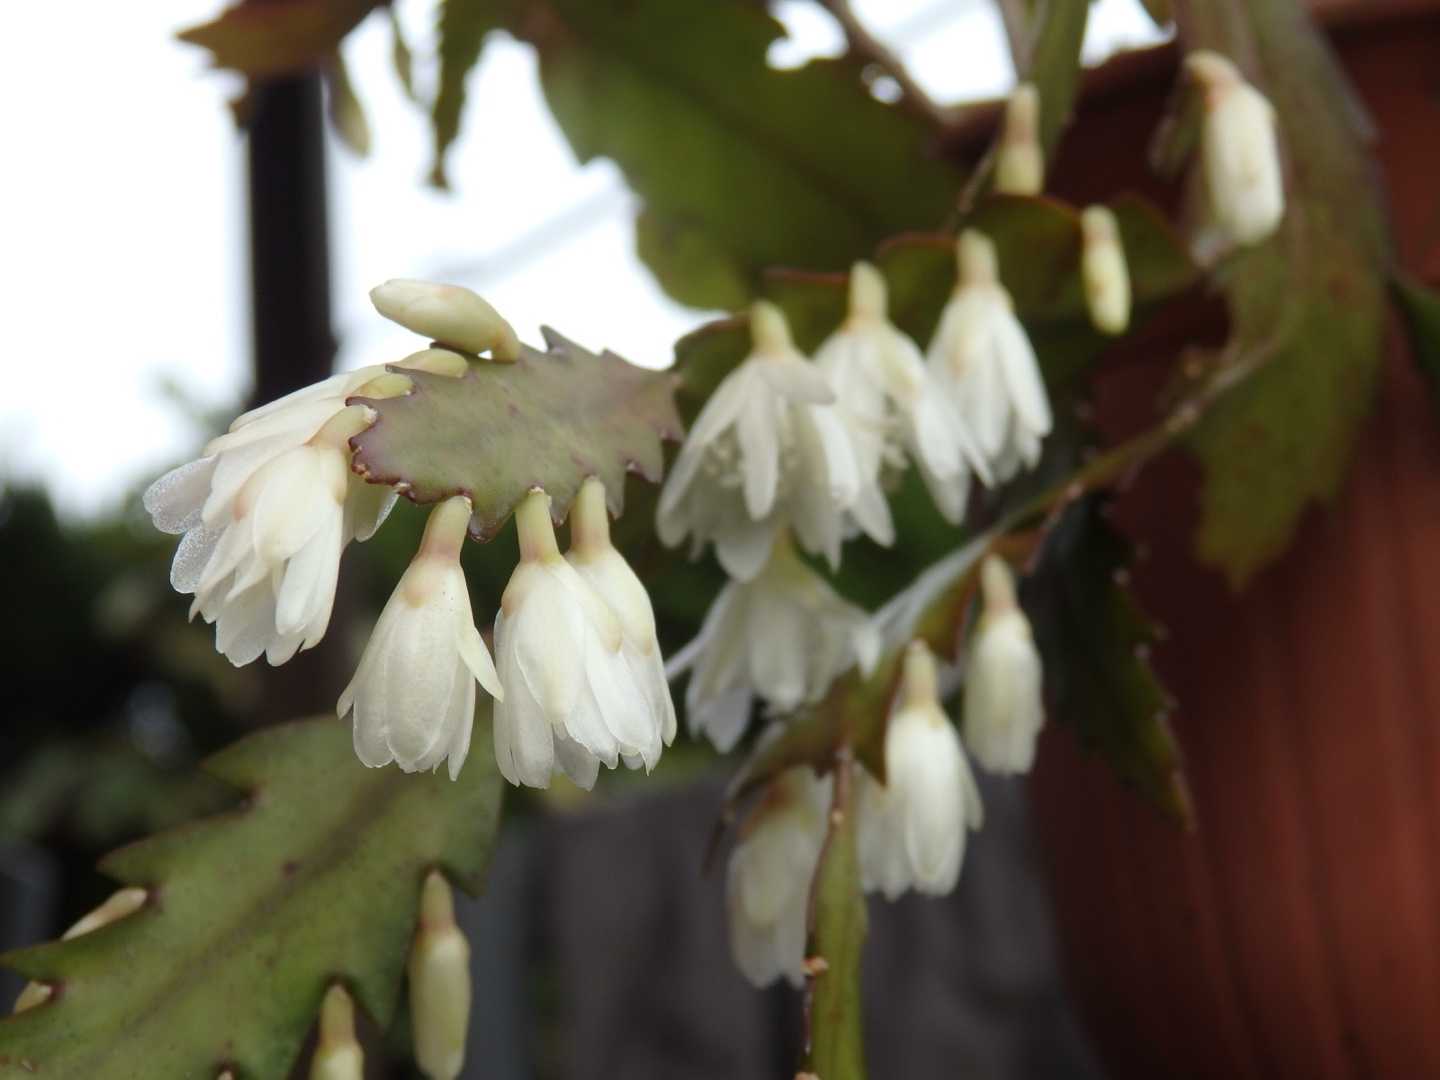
(1297, 932)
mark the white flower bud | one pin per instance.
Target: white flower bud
(122, 903)
(337, 1053)
(572, 698)
(911, 830)
(785, 636)
(1240, 151)
(451, 314)
(1103, 270)
(768, 449)
(413, 693)
(1004, 710)
(1019, 159)
(983, 359)
(439, 972)
(767, 886)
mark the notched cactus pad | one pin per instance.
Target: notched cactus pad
(314, 875)
(549, 420)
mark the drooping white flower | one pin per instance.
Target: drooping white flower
(438, 971)
(572, 699)
(893, 408)
(338, 1055)
(1004, 710)
(1103, 271)
(605, 570)
(267, 597)
(911, 830)
(767, 450)
(767, 887)
(413, 693)
(783, 637)
(981, 355)
(1239, 149)
(1019, 159)
(451, 314)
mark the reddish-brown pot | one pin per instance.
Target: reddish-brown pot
(1297, 932)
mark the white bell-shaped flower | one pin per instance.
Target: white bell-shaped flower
(784, 637)
(981, 355)
(451, 314)
(572, 699)
(767, 450)
(1240, 151)
(413, 694)
(1103, 271)
(767, 887)
(605, 570)
(911, 830)
(1019, 159)
(894, 408)
(1004, 708)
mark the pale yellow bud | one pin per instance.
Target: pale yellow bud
(125, 902)
(975, 258)
(1019, 159)
(1103, 270)
(868, 294)
(439, 971)
(450, 314)
(769, 332)
(337, 1053)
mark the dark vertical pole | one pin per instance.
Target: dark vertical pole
(294, 344)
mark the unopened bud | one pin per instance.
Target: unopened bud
(1104, 272)
(450, 314)
(975, 259)
(439, 970)
(868, 299)
(436, 362)
(1019, 160)
(125, 902)
(1004, 710)
(769, 332)
(337, 1053)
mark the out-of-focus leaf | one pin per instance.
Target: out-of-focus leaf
(1161, 11)
(1307, 306)
(549, 420)
(839, 923)
(265, 38)
(314, 876)
(732, 159)
(1421, 308)
(401, 58)
(1095, 642)
(464, 26)
(1053, 32)
(347, 115)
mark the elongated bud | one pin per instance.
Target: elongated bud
(1004, 710)
(451, 314)
(436, 362)
(769, 332)
(1105, 275)
(125, 902)
(337, 1053)
(1019, 160)
(439, 971)
(868, 294)
(975, 259)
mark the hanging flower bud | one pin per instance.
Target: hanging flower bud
(337, 1053)
(1103, 271)
(605, 570)
(1019, 160)
(572, 699)
(451, 314)
(766, 450)
(413, 694)
(911, 830)
(893, 408)
(439, 972)
(785, 636)
(122, 903)
(981, 355)
(767, 887)
(1240, 151)
(282, 469)
(1003, 707)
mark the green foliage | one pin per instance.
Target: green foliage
(1095, 642)
(263, 39)
(1421, 308)
(739, 166)
(1307, 306)
(839, 923)
(1054, 31)
(550, 420)
(464, 26)
(314, 876)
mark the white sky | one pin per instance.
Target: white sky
(123, 261)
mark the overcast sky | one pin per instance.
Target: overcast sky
(123, 264)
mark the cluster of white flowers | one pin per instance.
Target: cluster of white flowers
(269, 507)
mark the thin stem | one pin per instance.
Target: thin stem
(866, 46)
